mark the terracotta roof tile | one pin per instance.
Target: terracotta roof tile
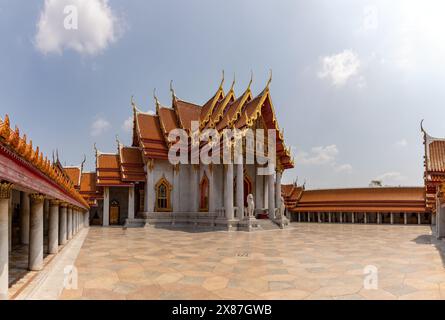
(187, 112)
(74, 175)
(132, 164)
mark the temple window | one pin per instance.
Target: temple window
(163, 195)
(204, 194)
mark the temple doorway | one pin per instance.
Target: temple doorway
(204, 194)
(114, 213)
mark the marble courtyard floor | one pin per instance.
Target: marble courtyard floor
(305, 261)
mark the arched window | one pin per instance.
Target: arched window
(204, 194)
(163, 192)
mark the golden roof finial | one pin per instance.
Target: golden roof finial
(83, 163)
(118, 142)
(233, 82)
(251, 79)
(172, 90)
(95, 149)
(270, 79)
(421, 126)
(222, 81)
(156, 101)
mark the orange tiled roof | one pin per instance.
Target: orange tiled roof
(108, 170)
(218, 112)
(383, 199)
(132, 165)
(74, 175)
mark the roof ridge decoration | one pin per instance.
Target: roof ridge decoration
(11, 139)
(225, 102)
(214, 99)
(242, 103)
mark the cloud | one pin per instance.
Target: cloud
(318, 155)
(392, 177)
(323, 156)
(401, 143)
(99, 126)
(85, 26)
(347, 168)
(128, 124)
(341, 67)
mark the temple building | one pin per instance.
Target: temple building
(434, 178)
(138, 185)
(41, 208)
(378, 205)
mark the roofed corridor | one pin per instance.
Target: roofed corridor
(305, 261)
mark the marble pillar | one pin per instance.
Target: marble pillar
(106, 207)
(278, 188)
(212, 192)
(35, 255)
(365, 217)
(299, 217)
(418, 219)
(405, 218)
(271, 197)
(228, 191)
(175, 191)
(53, 227)
(87, 219)
(379, 218)
(240, 187)
(63, 228)
(149, 194)
(259, 194)
(131, 202)
(69, 222)
(330, 217)
(24, 217)
(318, 217)
(391, 216)
(5, 195)
(341, 217)
(353, 217)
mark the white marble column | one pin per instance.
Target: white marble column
(379, 218)
(271, 197)
(405, 218)
(318, 217)
(330, 217)
(176, 191)
(5, 195)
(24, 217)
(278, 188)
(69, 222)
(35, 256)
(212, 192)
(265, 192)
(341, 217)
(228, 191)
(63, 236)
(149, 194)
(299, 216)
(353, 217)
(418, 219)
(194, 176)
(87, 219)
(240, 187)
(391, 217)
(106, 207)
(131, 202)
(259, 194)
(53, 227)
(365, 217)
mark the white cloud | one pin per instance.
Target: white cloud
(347, 168)
(56, 29)
(402, 143)
(392, 177)
(323, 156)
(99, 126)
(341, 67)
(128, 124)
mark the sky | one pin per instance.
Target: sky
(351, 79)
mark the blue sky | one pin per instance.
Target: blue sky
(352, 79)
